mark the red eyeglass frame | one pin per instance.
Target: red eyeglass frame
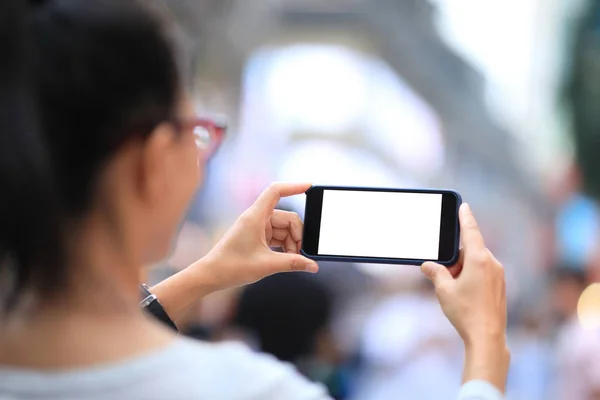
(215, 125)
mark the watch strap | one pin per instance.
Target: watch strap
(151, 304)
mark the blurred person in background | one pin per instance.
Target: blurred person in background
(407, 340)
(289, 316)
(100, 156)
(578, 346)
(567, 285)
(532, 363)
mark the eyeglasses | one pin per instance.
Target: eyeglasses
(208, 130)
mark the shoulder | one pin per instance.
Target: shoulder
(184, 370)
(479, 390)
(233, 371)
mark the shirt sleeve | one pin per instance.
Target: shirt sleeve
(479, 390)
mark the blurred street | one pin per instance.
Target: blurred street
(461, 94)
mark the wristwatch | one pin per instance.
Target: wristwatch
(151, 304)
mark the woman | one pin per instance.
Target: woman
(99, 159)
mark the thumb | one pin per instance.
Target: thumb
(436, 273)
(286, 262)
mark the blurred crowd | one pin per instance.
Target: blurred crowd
(474, 101)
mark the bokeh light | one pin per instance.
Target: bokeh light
(588, 307)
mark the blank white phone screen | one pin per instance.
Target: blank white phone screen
(380, 224)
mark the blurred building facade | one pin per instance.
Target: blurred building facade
(373, 93)
(478, 155)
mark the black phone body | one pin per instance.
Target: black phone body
(381, 225)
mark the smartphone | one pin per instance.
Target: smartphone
(379, 225)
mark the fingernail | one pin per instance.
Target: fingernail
(312, 268)
(466, 207)
(426, 269)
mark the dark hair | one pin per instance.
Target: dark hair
(569, 274)
(78, 80)
(286, 312)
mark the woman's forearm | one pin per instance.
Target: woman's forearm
(488, 360)
(180, 291)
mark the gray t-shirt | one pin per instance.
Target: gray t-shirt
(186, 369)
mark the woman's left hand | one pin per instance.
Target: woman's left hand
(244, 254)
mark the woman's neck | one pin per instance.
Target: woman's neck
(70, 340)
(95, 320)
(92, 325)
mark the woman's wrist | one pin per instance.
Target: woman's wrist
(180, 291)
(487, 358)
(205, 276)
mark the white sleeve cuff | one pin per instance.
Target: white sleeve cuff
(479, 390)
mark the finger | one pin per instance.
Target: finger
(456, 269)
(286, 262)
(288, 220)
(269, 233)
(280, 233)
(269, 198)
(283, 238)
(469, 230)
(436, 273)
(290, 245)
(278, 244)
(494, 259)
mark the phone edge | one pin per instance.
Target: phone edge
(371, 260)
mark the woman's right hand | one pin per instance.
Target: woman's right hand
(472, 294)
